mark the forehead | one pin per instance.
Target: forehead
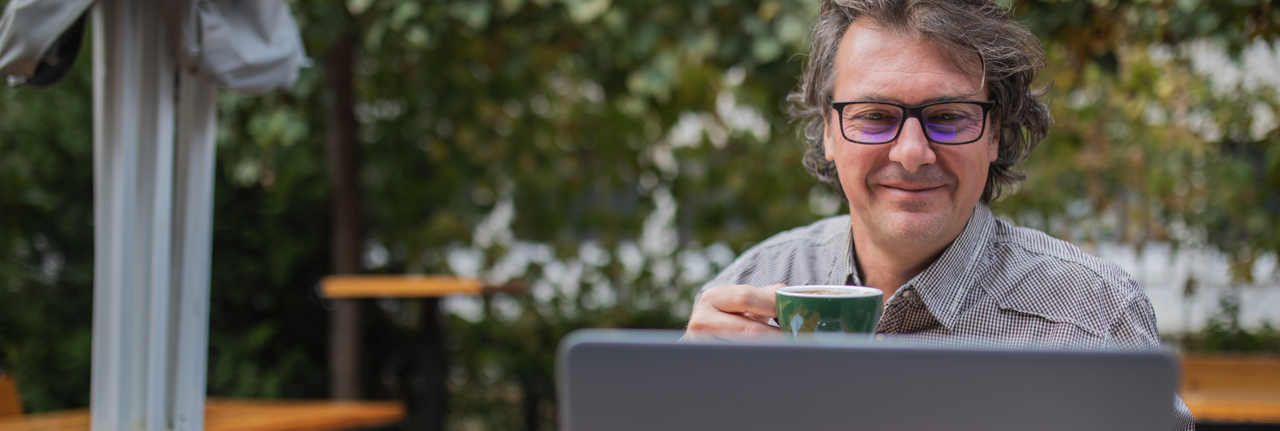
(876, 64)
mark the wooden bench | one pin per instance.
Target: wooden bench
(1232, 389)
(277, 415)
(222, 414)
(244, 415)
(408, 286)
(10, 404)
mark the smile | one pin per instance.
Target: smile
(911, 191)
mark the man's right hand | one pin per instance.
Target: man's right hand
(733, 313)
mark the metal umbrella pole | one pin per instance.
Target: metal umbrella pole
(153, 190)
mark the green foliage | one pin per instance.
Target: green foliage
(46, 240)
(1224, 334)
(1146, 148)
(613, 154)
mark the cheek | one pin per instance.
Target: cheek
(976, 169)
(968, 164)
(854, 163)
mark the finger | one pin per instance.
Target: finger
(731, 331)
(773, 288)
(710, 323)
(741, 299)
(772, 291)
(693, 336)
(757, 317)
(697, 336)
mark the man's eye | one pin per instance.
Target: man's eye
(873, 116)
(948, 117)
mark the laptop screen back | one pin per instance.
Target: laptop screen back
(643, 380)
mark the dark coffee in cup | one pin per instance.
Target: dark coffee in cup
(827, 292)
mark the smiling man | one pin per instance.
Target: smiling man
(916, 112)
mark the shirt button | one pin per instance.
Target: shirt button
(879, 337)
(906, 294)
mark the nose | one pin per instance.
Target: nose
(912, 149)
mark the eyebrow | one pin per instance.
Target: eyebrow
(952, 98)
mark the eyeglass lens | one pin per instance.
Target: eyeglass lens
(877, 123)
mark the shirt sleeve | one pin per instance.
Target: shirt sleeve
(1135, 327)
(1182, 419)
(736, 273)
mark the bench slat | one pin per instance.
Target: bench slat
(10, 403)
(1231, 389)
(246, 415)
(400, 286)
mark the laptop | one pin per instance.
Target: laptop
(644, 380)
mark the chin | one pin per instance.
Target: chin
(914, 227)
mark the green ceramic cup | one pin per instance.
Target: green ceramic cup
(828, 313)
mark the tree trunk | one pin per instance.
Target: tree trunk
(532, 400)
(432, 393)
(344, 323)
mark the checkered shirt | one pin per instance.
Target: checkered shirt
(995, 282)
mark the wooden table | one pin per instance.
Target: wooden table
(1232, 389)
(409, 286)
(430, 405)
(245, 415)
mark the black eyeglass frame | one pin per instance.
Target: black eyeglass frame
(916, 112)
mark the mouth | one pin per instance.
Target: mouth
(912, 191)
(913, 187)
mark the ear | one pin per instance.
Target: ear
(993, 145)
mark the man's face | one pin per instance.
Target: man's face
(909, 190)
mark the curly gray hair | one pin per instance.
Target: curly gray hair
(1010, 57)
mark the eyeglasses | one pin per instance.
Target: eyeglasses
(946, 123)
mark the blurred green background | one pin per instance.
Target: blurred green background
(614, 155)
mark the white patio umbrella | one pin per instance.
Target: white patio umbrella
(157, 66)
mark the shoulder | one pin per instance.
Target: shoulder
(817, 234)
(1038, 274)
(804, 255)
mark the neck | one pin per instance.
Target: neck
(888, 264)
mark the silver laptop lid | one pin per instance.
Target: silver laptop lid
(644, 380)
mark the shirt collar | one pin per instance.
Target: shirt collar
(945, 282)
